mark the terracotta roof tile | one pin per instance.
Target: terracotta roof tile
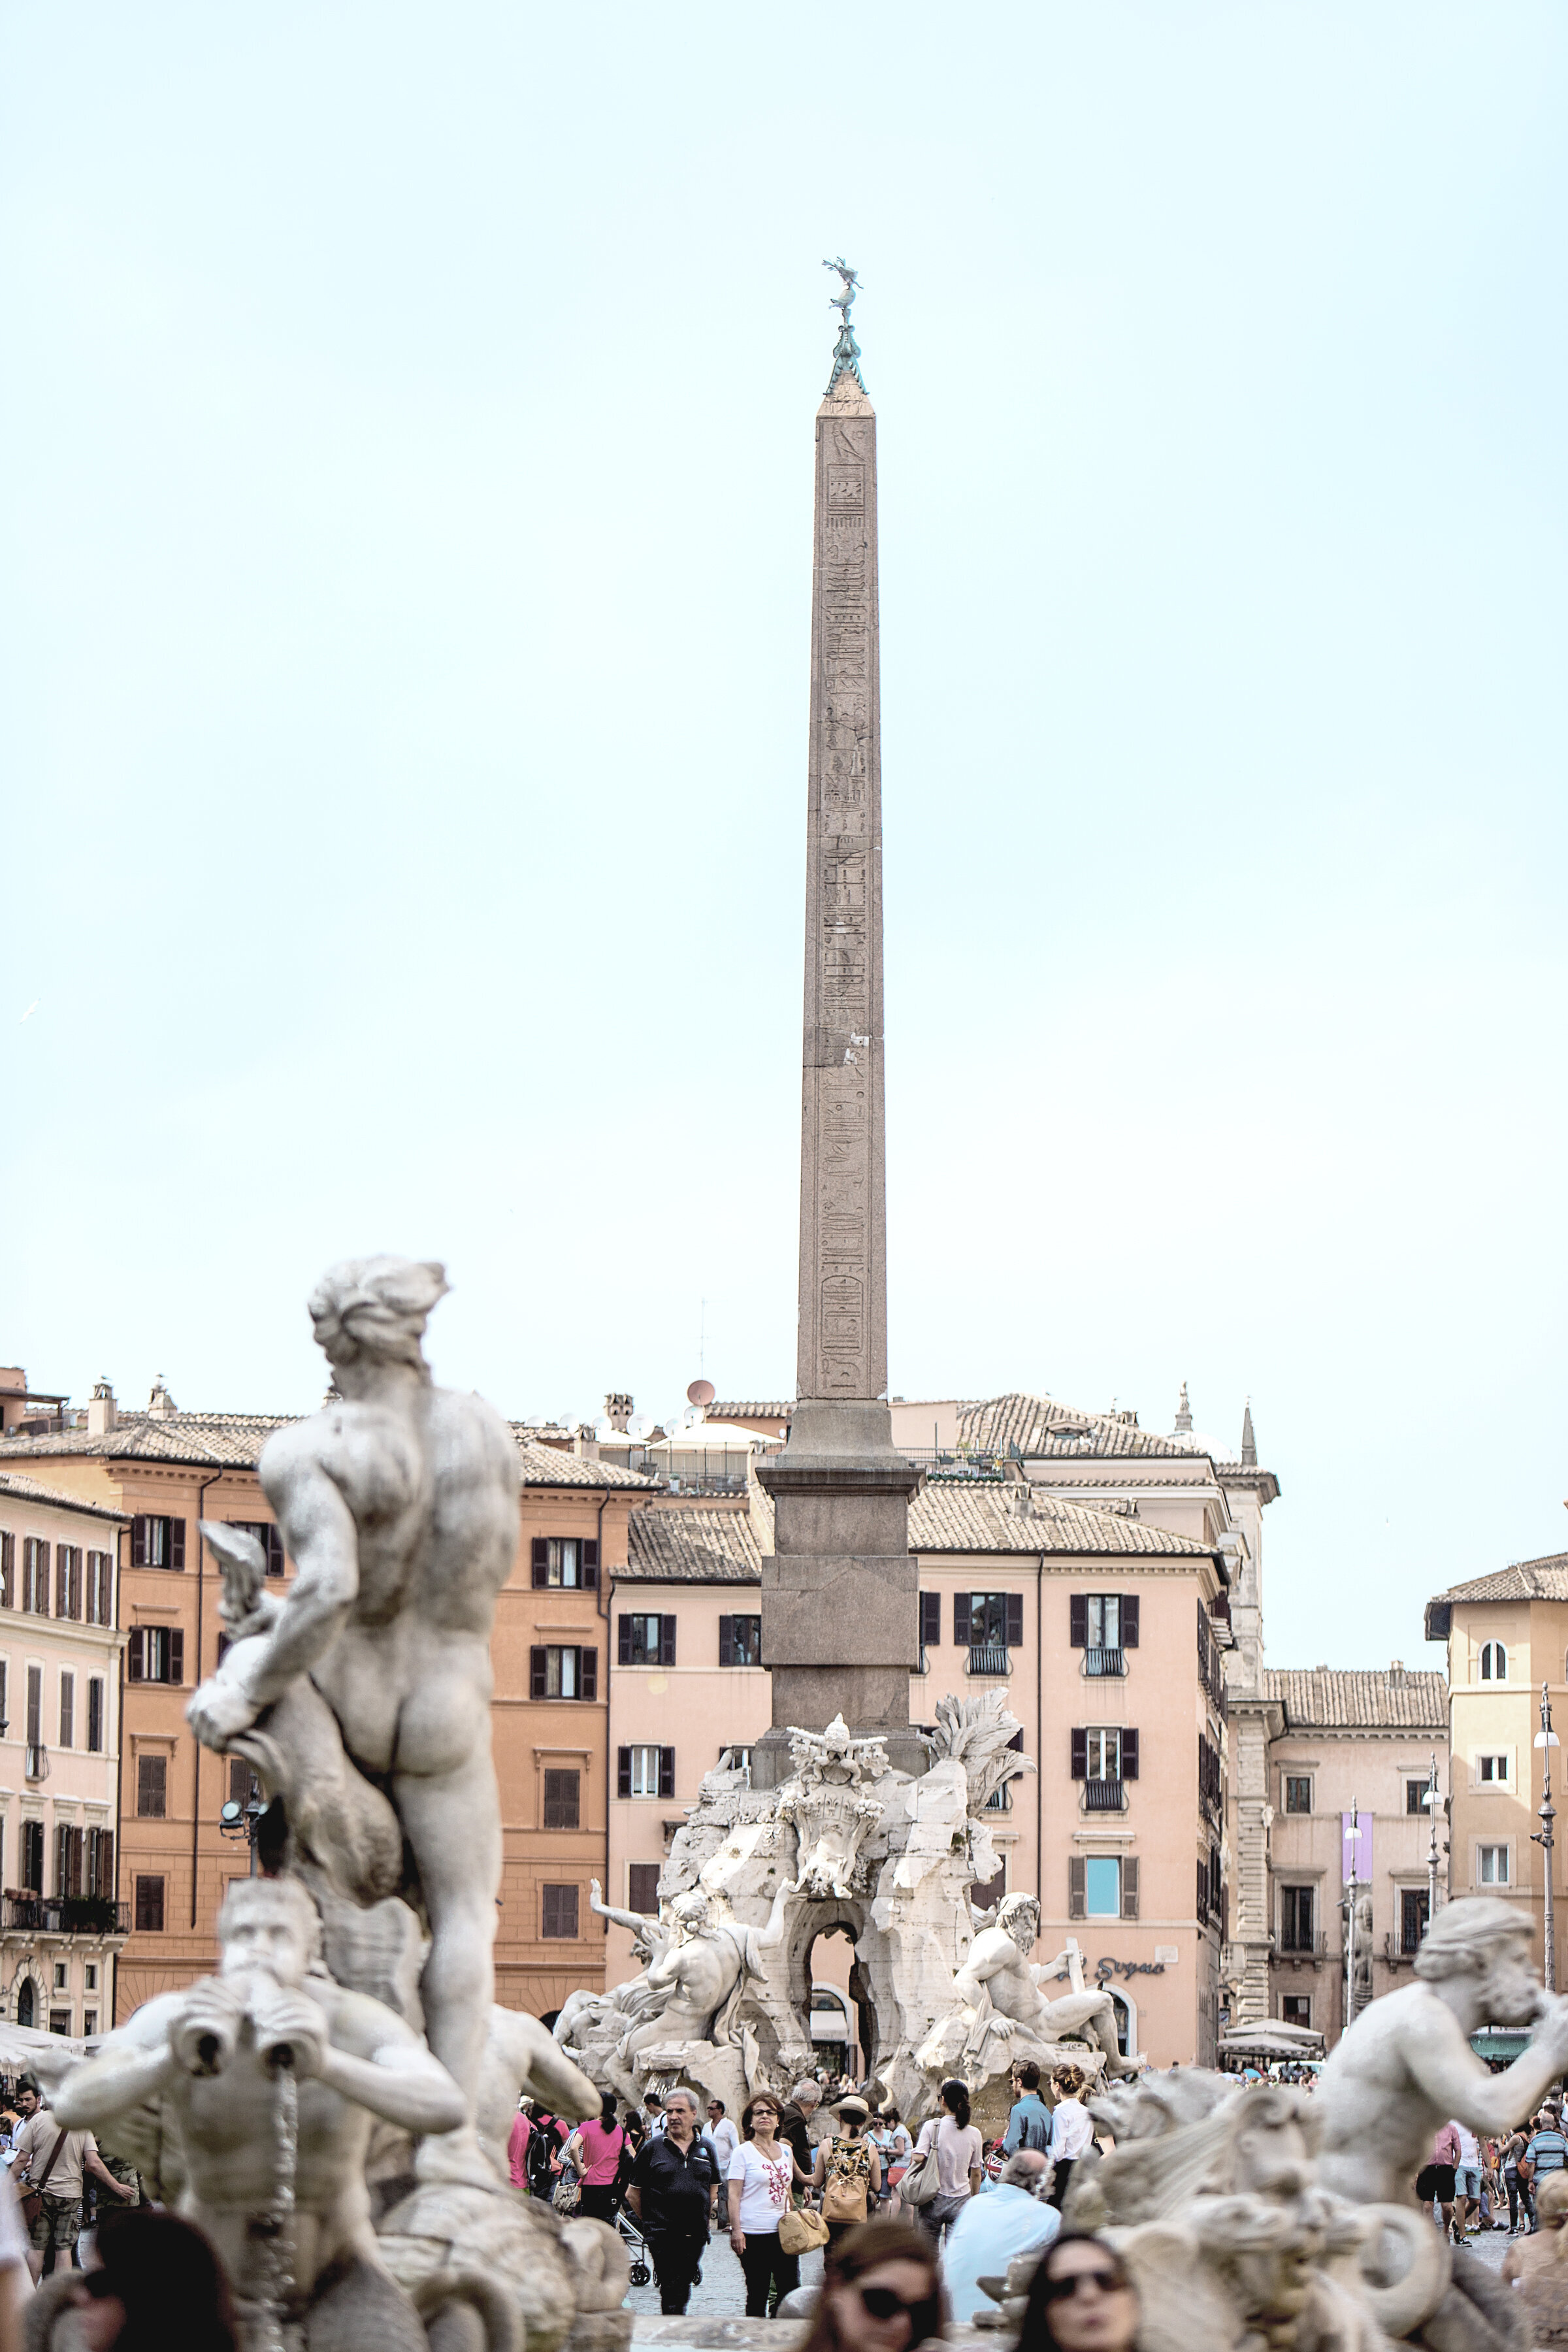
(1545, 1578)
(32, 1490)
(547, 1465)
(691, 1546)
(954, 1516)
(1038, 1425)
(235, 1440)
(1322, 1698)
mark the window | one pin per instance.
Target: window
(90, 1976)
(100, 1867)
(1298, 1918)
(7, 1571)
(95, 1716)
(740, 1640)
(59, 2021)
(560, 1913)
(89, 2022)
(33, 1857)
(25, 2002)
(1296, 2009)
(1102, 1886)
(148, 1905)
(67, 1710)
(151, 1787)
(157, 1542)
(68, 1858)
(558, 1672)
(5, 1697)
(62, 1977)
(1297, 1792)
(642, 1888)
(931, 1621)
(1491, 1865)
(155, 1654)
(243, 1784)
(568, 1562)
(1491, 1772)
(68, 1581)
(1102, 1625)
(985, 1893)
(100, 1588)
(34, 1764)
(1494, 1663)
(647, 1641)
(644, 1771)
(36, 1576)
(988, 1623)
(562, 1798)
(1412, 1917)
(1104, 1755)
(269, 1537)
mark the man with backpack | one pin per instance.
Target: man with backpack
(1029, 2124)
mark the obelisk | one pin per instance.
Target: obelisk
(840, 1632)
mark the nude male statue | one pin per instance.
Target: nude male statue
(998, 1966)
(399, 1504)
(1406, 2067)
(698, 1976)
(209, 2054)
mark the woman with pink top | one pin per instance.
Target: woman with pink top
(517, 2150)
(596, 2149)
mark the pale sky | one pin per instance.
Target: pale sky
(403, 706)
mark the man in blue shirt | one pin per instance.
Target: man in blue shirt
(1012, 2220)
(1546, 2152)
(1029, 2124)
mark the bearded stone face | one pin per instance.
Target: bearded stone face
(1022, 1923)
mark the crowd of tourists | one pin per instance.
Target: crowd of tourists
(1474, 2184)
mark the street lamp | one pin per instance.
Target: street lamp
(236, 1821)
(1546, 1740)
(1432, 1802)
(1353, 1835)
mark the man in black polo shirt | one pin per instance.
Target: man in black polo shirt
(673, 2192)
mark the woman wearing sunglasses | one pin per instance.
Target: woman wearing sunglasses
(1081, 2299)
(882, 2292)
(762, 2173)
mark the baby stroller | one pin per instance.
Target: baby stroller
(626, 2222)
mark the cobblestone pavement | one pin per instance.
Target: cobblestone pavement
(722, 2294)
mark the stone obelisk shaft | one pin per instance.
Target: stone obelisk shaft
(839, 1616)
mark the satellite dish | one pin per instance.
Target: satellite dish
(702, 1393)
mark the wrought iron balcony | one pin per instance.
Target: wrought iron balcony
(68, 1914)
(1105, 1797)
(988, 1658)
(1104, 1661)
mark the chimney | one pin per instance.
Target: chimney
(101, 1411)
(618, 1412)
(161, 1405)
(1397, 1678)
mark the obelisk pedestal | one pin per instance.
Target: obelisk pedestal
(840, 1616)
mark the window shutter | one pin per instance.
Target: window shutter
(666, 1639)
(535, 1672)
(273, 1540)
(931, 1621)
(1130, 1887)
(588, 1672)
(1078, 1620)
(590, 1565)
(1130, 1756)
(962, 1612)
(624, 1650)
(1081, 1752)
(542, 1560)
(623, 1771)
(667, 1771)
(177, 1655)
(1014, 1620)
(62, 1865)
(176, 1543)
(136, 1655)
(1130, 1621)
(7, 1570)
(139, 1539)
(726, 1641)
(1077, 1899)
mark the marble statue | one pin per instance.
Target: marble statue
(828, 1802)
(998, 1994)
(1538, 2266)
(398, 1503)
(271, 2068)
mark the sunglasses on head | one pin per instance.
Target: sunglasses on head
(1062, 2290)
(881, 2303)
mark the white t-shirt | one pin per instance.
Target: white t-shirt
(1072, 2129)
(1470, 2147)
(726, 2140)
(764, 2193)
(958, 2153)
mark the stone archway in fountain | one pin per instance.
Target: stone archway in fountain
(869, 1986)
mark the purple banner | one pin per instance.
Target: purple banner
(1356, 1852)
